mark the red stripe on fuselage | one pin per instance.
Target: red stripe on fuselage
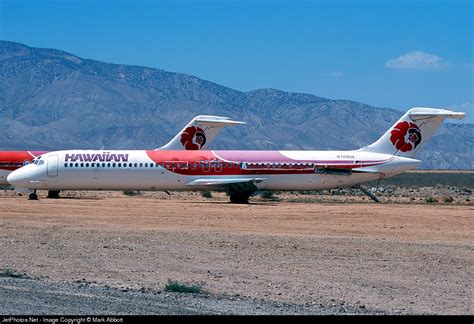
(208, 163)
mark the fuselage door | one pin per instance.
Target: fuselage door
(216, 166)
(205, 165)
(52, 165)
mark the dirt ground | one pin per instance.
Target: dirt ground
(394, 258)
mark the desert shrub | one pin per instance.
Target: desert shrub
(183, 287)
(431, 200)
(310, 192)
(268, 195)
(206, 194)
(448, 199)
(131, 193)
(9, 273)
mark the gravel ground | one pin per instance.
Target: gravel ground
(98, 250)
(37, 297)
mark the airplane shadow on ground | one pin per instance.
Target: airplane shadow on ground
(259, 203)
(75, 198)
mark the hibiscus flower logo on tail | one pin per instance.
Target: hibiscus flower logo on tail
(405, 136)
(193, 138)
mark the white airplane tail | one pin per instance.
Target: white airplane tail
(199, 133)
(413, 130)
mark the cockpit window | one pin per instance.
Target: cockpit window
(37, 162)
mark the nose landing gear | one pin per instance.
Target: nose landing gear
(33, 196)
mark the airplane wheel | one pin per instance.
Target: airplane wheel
(239, 197)
(53, 194)
(33, 196)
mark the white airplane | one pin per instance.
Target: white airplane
(240, 173)
(196, 135)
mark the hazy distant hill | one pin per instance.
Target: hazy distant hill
(50, 99)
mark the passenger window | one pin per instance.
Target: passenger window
(113, 165)
(151, 165)
(141, 164)
(146, 165)
(103, 165)
(65, 165)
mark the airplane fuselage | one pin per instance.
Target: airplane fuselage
(213, 170)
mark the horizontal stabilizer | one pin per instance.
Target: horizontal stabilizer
(217, 120)
(199, 133)
(424, 113)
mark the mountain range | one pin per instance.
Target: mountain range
(51, 99)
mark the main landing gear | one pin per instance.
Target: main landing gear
(239, 197)
(53, 194)
(33, 196)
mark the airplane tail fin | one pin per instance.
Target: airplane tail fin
(199, 133)
(411, 132)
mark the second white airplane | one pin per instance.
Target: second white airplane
(240, 173)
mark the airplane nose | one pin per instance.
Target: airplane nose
(14, 178)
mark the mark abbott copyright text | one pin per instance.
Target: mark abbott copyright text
(61, 319)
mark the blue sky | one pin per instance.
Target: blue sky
(395, 54)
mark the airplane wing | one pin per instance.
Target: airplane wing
(247, 184)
